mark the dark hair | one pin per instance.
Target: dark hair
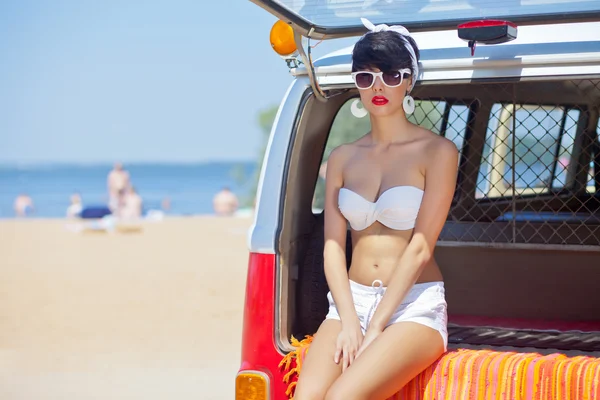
(385, 51)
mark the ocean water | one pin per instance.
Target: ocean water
(190, 187)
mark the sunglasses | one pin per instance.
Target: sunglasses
(366, 79)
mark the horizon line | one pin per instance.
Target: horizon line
(125, 163)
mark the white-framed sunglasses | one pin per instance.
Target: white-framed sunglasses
(366, 79)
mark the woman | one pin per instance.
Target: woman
(394, 186)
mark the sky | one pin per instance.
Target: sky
(136, 81)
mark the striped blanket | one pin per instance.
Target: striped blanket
(485, 374)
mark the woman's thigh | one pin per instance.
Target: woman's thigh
(319, 370)
(393, 359)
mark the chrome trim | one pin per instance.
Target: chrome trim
(261, 373)
(282, 342)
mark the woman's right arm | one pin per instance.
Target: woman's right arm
(334, 255)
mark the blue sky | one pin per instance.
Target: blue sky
(138, 81)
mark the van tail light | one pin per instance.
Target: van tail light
(252, 385)
(259, 374)
(487, 32)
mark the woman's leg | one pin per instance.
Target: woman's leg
(319, 370)
(393, 359)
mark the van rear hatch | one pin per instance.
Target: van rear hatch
(331, 19)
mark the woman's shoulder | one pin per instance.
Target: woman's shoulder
(434, 143)
(344, 151)
(439, 149)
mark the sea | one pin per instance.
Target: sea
(189, 188)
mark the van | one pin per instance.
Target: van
(516, 86)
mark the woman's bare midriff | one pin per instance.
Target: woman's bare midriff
(376, 252)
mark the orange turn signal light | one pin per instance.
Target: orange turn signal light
(282, 39)
(251, 386)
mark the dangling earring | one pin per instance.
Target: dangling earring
(408, 104)
(358, 112)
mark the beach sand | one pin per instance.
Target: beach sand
(150, 315)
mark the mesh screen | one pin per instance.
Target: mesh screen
(529, 163)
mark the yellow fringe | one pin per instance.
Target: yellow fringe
(297, 355)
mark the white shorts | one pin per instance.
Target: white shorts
(425, 304)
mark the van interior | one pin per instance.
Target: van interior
(520, 250)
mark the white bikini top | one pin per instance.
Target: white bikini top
(396, 208)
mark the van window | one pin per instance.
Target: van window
(428, 114)
(538, 140)
(457, 125)
(566, 149)
(591, 186)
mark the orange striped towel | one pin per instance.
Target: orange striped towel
(486, 374)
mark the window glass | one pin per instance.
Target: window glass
(347, 13)
(591, 186)
(457, 125)
(537, 133)
(566, 150)
(428, 114)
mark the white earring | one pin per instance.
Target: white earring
(358, 112)
(408, 104)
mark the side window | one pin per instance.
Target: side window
(428, 114)
(347, 128)
(538, 141)
(591, 185)
(566, 149)
(457, 125)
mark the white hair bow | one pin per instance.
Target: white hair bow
(383, 27)
(401, 30)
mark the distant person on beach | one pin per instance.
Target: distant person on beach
(23, 205)
(118, 181)
(166, 204)
(225, 203)
(76, 206)
(130, 205)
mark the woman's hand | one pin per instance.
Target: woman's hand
(370, 336)
(348, 342)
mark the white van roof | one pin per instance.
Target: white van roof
(571, 49)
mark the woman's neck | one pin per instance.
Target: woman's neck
(389, 129)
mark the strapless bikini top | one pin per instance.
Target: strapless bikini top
(396, 208)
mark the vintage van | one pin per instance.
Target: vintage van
(520, 251)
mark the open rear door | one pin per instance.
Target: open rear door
(319, 19)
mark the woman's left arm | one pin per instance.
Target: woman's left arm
(440, 183)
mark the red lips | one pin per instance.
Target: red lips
(379, 100)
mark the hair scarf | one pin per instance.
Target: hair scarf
(403, 32)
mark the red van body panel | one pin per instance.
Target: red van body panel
(259, 352)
